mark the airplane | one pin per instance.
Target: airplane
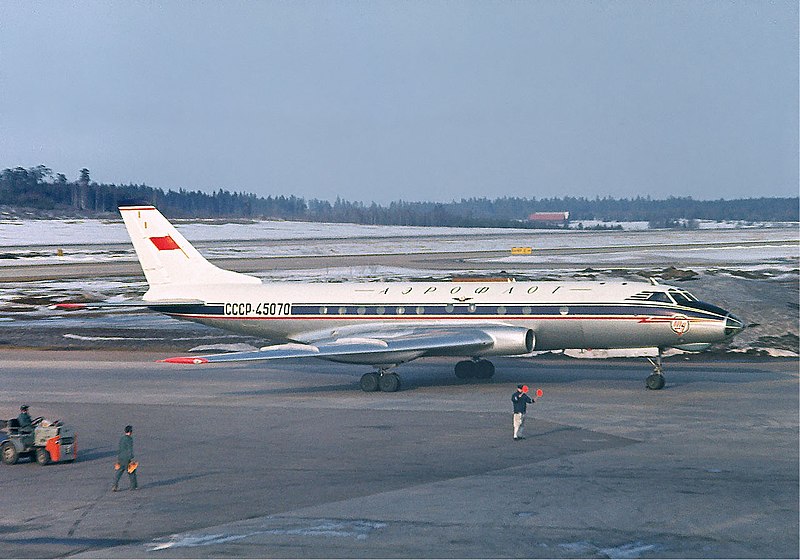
(385, 324)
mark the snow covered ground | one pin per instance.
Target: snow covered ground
(62, 241)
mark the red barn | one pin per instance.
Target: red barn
(552, 218)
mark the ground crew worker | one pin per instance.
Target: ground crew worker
(24, 419)
(25, 425)
(521, 400)
(124, 459)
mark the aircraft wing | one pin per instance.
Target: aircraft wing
(374, 348)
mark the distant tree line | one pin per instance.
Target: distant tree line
(39, 188)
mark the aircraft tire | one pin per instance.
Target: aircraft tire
(42, 456)
(369, 382)
(465, 369)
(484, 369)
(655, 381)
(389, 382)
(9, 453)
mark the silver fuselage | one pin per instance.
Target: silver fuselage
(563, 315)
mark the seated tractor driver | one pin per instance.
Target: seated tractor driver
(24, 419)
(26, 425)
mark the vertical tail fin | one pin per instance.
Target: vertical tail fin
(165, 255)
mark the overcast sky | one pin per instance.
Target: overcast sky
(407, 100)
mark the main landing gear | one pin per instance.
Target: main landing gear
(480, 369)
(655, 380)
(381, 380)
(389, 382)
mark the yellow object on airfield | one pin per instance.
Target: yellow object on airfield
(521, 250)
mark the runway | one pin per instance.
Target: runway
(292, 460)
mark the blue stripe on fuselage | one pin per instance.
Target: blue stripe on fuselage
(355, 310)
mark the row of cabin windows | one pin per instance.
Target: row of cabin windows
(433, 310)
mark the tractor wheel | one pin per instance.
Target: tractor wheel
(10, 454)
(42, 456)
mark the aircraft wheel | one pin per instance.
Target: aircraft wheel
(369, 382)
(389, 382)
(42, 456)
(10, 454)
(484, 369)
(465, 369)
(655, 381)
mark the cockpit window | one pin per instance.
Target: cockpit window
(682, 298)
(649, 295)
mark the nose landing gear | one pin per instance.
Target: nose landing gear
(655, 380)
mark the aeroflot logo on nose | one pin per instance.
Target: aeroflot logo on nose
(165, 243)
(679, 324)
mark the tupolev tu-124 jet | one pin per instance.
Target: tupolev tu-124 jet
(386, 324)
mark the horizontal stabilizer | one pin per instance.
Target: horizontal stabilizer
(154, 305)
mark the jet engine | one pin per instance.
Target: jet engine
(509, 341)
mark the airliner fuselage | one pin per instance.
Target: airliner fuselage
(561, 314)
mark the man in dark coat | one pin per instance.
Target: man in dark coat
(25, 425)
(521, 401)
(124, 459)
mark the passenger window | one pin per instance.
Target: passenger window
(450, 308)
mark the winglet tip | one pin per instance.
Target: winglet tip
(185, 360)
(69, 306)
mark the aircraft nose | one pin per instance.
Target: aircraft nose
(733, 325)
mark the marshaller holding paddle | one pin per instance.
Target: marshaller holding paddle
(521, 399)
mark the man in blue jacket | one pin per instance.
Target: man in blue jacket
(521, 400)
